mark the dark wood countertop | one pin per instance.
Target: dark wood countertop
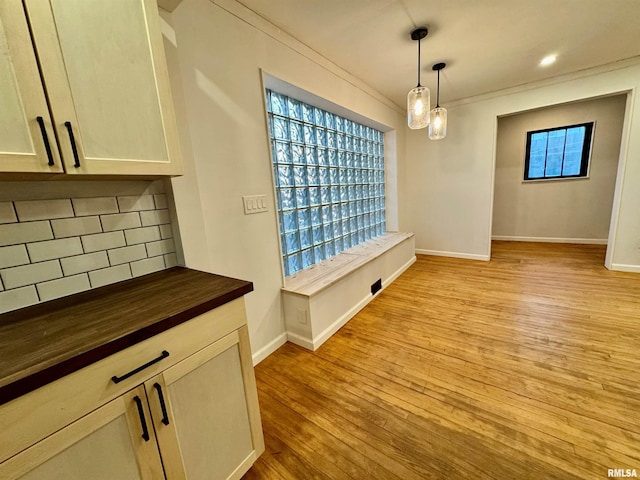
(45, 342)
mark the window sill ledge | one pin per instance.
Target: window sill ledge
(321, 276)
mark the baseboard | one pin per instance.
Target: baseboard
(397, 273)
(439, 253)
(620, 267)
(583, 241)
(300, 341)
(341, 321)
(269, 348)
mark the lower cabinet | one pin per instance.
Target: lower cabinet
(198, 419)
(198, 441)
(107, 444)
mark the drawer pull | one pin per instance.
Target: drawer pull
(117, 379)
(163, 407)
(143, 421)
(45, 139)
(72, 139)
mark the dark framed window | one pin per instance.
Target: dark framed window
(561, 152)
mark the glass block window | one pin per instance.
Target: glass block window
(558, 152)
(329, 179)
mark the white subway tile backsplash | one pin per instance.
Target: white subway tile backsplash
(142, 235)
(73, 227)
(15, 277)
(166, 231)
(160, 248)
(120, 221)
(148, 265)
(102, 241)
(13, 256)
(65, 247)
(135, 203)
(109, 275)
(126, 254)
(160, 201)
(15, 233)
(84, 263)
(18, 298)
(31, 210)
(170, 260)
(94, 206)
(63, 287)
(155, 217)
(7, 214)
(60, 246)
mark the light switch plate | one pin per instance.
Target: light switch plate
(254, 204)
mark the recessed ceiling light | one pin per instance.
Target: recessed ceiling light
(548, 60)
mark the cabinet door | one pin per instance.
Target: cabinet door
(27, 140)
(106, 444)
(205, 412)
(105, 73)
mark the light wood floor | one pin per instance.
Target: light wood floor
(527, 366)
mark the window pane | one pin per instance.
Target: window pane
(296, 132)
(300, 175)
(309, 135)
(278, 104)
(314, 196)
(294, 262)
(290, 220)
(555, 152)
(538, 155)
(573, 151)
(295, 108)
(304, 219)
(305, 238)
(307, 258)
(297, 154)
(285, 176)
(287, 201)
(324, 166)
(318, 239)
(283, 152)
(302, 197)
(280, 128)
(291, 240)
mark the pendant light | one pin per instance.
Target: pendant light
(438, 116)
(419, 98)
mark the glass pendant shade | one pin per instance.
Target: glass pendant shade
(438, 123)
(418, 106)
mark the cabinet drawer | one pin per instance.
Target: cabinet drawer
(34, 416)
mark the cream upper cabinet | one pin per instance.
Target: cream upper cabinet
(27, 139)
(104, 71)
(116, 441)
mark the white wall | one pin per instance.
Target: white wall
(216, 50)
(577, 210)
(450, 182)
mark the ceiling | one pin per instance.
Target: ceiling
(488, 45)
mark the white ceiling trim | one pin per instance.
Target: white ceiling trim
(260, 23)
(611, 67)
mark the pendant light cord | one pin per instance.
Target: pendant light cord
(438, 92)
(419, 64)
